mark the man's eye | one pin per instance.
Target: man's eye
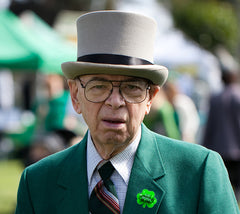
(100, 86)
(97, 85)
(132, 87)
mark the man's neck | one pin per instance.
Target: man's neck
(107, 151)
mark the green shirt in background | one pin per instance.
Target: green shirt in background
(164, 121)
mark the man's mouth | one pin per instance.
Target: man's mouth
(114, 122)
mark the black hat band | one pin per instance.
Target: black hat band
(113, 59)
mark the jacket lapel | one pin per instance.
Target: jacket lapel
(73, 184)
(147, 172)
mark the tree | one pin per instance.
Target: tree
(208, 22)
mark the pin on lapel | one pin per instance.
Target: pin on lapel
(146, 198)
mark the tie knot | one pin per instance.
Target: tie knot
(106, 171)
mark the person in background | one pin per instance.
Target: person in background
(120, 166)
(48, 143)
(222, 131)
(51, 108)
(163, 119)
(53, 111)
(186, 112)
(44, 146)
(57, 102)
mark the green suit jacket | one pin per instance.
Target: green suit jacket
(185, 178)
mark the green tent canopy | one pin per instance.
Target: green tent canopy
(14, 50)
(34, 46)
(50, 46)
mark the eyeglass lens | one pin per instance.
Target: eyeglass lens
(131, 91)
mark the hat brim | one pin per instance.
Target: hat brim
(156, 73)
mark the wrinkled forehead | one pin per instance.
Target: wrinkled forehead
(109, 77)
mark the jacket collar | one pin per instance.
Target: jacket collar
(73, 191)
(147, 172)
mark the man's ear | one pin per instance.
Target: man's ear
(152, 93)
(73, 88)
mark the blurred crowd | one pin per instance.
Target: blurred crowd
(48, 124)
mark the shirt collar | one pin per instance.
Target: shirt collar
(93, 158)
(122, 162)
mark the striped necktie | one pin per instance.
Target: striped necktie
(103, 199)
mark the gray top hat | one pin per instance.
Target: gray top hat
(117, 43)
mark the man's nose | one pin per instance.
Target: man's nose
(115, 100)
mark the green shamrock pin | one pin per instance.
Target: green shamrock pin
(146, 198)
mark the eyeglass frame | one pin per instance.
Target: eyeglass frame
(148, 83)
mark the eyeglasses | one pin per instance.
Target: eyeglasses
(133, 91)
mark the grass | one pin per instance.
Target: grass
(10, 172)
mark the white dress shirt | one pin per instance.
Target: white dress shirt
(122, 163)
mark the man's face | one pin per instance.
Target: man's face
(113, 121)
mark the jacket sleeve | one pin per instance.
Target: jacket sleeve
(216, 193)
(24, 205)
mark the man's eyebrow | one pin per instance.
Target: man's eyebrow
(98, 78)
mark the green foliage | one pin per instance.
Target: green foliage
(209, 23)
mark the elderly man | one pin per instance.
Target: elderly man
(120, 166)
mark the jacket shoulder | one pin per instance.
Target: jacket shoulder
(178, 151)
